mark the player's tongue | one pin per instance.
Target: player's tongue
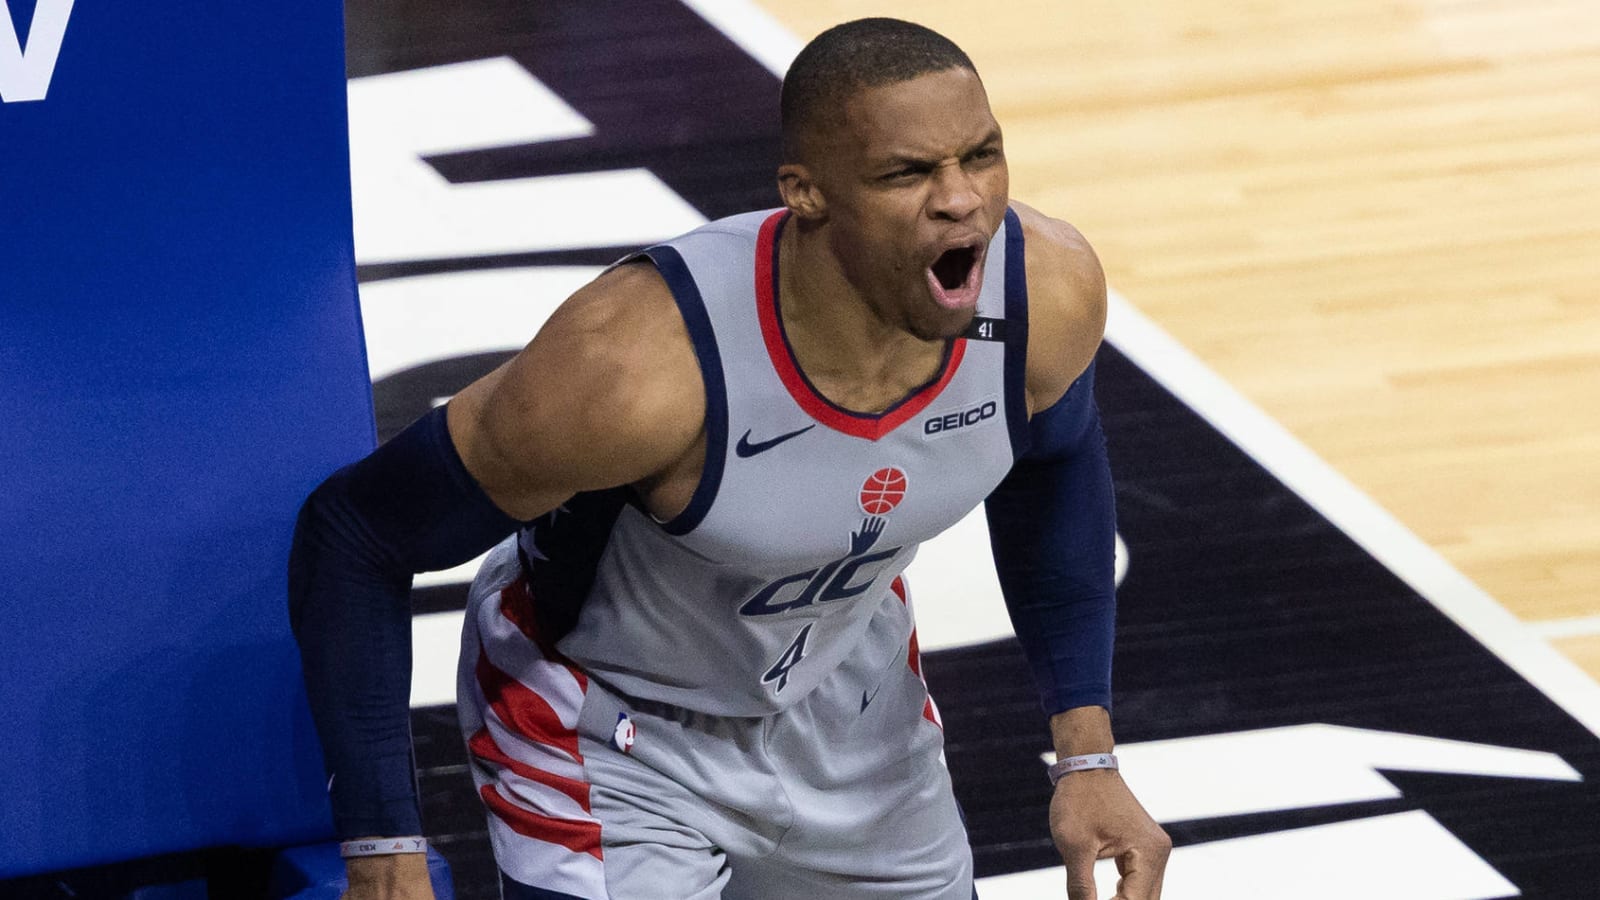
(954, 278)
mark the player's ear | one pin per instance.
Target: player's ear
(800, 192)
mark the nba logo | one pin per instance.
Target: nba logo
(882, 491)
(622, 738)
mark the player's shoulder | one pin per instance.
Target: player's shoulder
(1066, 303)
(1064, 275)
(610, 386)
(621, 345)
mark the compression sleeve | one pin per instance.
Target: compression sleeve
(410, 506)
(1052, 526)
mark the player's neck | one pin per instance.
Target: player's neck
(845, 347)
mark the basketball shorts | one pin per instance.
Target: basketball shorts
(594, 795)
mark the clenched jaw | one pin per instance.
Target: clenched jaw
(956, 276)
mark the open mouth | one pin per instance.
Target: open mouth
(954, 277)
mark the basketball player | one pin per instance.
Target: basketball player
(691, 671)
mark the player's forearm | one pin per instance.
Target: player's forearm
(354, 631)
(1052, 528)
(408, 507)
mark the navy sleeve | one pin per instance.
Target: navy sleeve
(411, 506)
(1052, 526)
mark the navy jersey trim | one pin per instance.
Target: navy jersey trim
(560, 554)
(1016, 364)
(512, 889)
(693, 309)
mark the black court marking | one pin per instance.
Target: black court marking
(1243, 607)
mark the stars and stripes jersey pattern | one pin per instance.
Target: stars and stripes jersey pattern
(805, 513)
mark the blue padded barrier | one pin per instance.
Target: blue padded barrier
(181, 361)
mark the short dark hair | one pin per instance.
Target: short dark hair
(860, 54)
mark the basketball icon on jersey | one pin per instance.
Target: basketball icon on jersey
(882, 491)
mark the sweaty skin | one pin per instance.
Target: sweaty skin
(610, 393)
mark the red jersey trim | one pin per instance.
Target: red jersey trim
(862, 425)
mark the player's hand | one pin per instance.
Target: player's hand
(403, 876)
(1094, 816)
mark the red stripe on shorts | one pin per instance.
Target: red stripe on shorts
(516, 604)
(482, 746)
(580, 837)
(523, 710)
(914, 658)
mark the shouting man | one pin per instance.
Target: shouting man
(691, 670)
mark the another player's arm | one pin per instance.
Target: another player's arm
(1053, 527)
(607, 394)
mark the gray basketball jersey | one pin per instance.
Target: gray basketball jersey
(805, 513)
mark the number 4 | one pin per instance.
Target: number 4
(790, 658)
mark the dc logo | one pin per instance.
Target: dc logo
(622, 738)
(882, 491)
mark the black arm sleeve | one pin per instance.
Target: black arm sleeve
(411, 506)
(1052, 526)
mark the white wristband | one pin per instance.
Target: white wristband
(1079, 763)
(383, 847)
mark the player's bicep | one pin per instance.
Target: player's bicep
(588, 404)
(484, 431)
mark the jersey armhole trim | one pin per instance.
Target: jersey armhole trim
(1016, 340)
(669, 262)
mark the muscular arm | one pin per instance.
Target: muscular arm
(1052, 521)
(607, 394)
(1052, 527)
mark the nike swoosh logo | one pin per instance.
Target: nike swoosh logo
(745, 449)
(868, 698)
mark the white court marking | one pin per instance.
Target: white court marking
(1579, 626)
(405, 210)
(411, 321)
(1373, 859)
(1353, 512)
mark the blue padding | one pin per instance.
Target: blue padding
(180, 363)
(195, 889)
(315, 872)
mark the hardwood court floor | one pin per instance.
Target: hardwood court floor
(1378, 219)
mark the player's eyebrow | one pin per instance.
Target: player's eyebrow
(993, 137)
(910, 160)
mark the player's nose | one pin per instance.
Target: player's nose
(955, 194)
